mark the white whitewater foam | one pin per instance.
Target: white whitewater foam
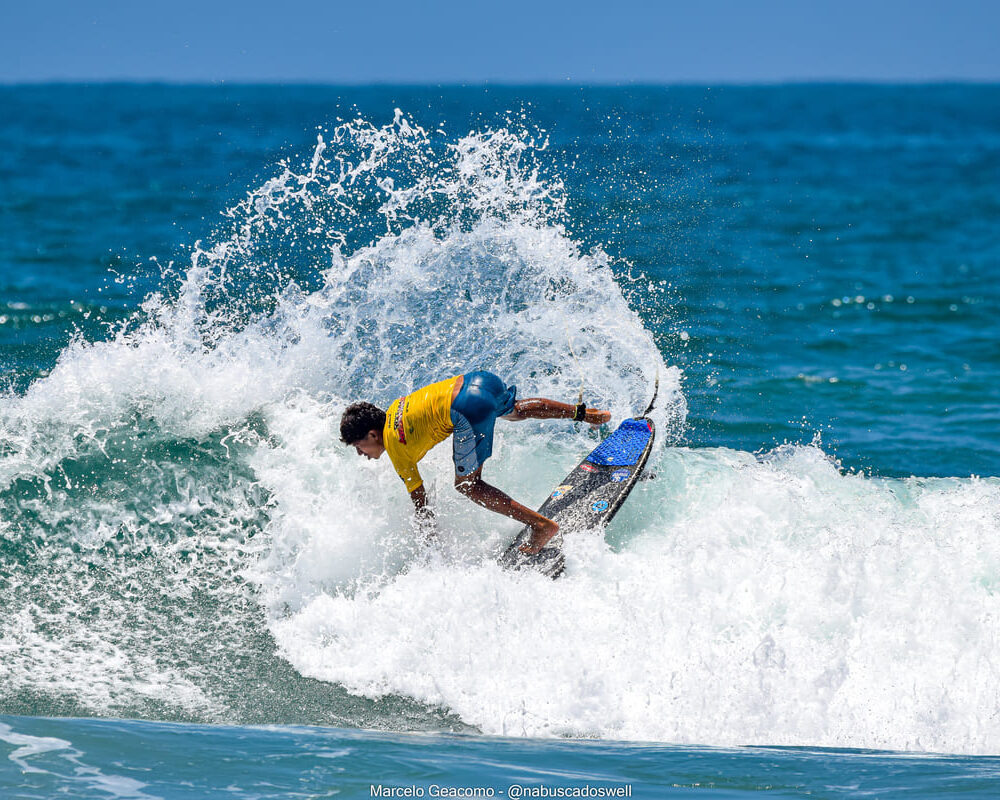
(775, 603)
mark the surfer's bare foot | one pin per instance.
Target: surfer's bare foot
(540, 537)
(597, 417)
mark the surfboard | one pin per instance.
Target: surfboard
(590, 495)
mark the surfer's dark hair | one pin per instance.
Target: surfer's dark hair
(358, 419)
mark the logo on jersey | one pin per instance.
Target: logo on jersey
(397, 421)
(620, 475)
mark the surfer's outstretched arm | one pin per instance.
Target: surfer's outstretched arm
(481, 493)
(544, 408)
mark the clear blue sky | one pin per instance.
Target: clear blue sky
(509, 41)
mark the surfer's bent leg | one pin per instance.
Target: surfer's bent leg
(543, 408)
(474, 411)
(481, 493)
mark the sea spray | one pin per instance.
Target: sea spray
(169, 490)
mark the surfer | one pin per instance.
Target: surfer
(465, 407)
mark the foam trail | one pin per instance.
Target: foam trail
(57, 758)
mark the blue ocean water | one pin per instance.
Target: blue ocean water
(137, 759)
(194, 281)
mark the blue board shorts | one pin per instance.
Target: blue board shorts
(474, 411)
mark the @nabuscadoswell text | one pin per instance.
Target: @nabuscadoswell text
(513, 791)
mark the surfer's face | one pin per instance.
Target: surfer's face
(371, 446)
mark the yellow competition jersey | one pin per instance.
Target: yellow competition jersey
(414, 424)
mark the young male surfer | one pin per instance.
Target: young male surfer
(465, 407)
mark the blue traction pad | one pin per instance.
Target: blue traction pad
(624, 447)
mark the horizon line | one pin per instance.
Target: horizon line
(500, 84)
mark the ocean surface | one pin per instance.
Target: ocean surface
(205, 594)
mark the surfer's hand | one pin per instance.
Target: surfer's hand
(596, 416)
(424, 525)
(423, 514)
(428, 532)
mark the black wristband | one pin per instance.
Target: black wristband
(581, 412)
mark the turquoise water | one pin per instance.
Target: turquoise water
(133, 759)
(194, 282)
